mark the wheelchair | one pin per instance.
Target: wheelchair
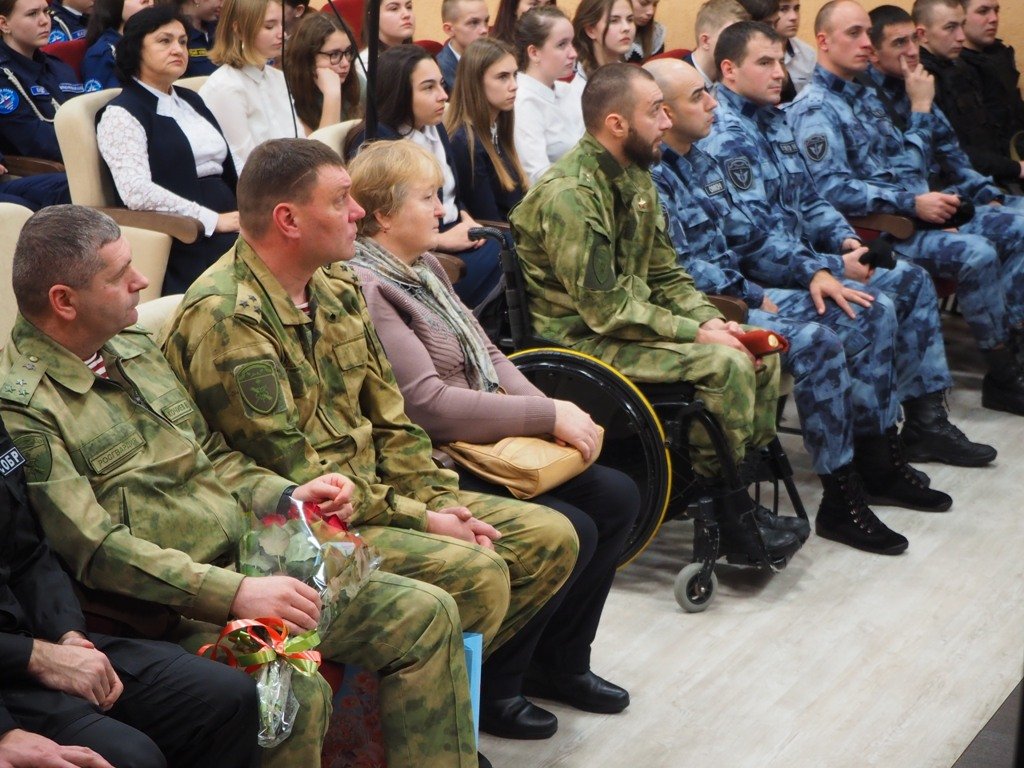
(646, 428)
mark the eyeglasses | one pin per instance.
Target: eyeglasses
(335, 57)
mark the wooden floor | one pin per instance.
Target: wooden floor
(844, 659)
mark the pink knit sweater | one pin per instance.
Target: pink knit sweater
(431, 372)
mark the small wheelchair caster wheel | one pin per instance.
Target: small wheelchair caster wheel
(690, 594)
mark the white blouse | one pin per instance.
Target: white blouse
(122, 142)
(428, 138)
(549, 122)
(252, 105)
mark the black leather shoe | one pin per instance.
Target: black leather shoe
(785, 523)
(482, 761)
(516, 718)
(928, 435)
(585, 691)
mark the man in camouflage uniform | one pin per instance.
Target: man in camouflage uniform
(282, 358)
(862, 164)
(146, 505)
(602, 276)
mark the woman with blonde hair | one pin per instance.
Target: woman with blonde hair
(480, 122)
(249, 98)
(318, 69)
(458, 386)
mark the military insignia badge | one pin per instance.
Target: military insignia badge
(35, 451)
(258, 385)
(739, 173)
(817, 146)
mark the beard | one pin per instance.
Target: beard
(640, 152)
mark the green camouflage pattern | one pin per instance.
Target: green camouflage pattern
(602, 278)
(131, 487)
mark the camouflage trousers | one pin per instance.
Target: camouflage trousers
(742, 399)
(921, 366)
(409, 632)
(986, 259)
(498, 591)
(844, 380)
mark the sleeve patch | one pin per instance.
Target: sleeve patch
(739, 172)
(816, 146)
(35, 449)
(259, 386)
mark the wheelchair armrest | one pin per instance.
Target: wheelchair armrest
(899, 227)
(453, 266)
(18, 165)
(496, 224)
(733, 309)
(182, 228)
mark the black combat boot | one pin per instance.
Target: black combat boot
(1002, 389)
(889, 480)
(1016, 344)
(786, 523)
(844, 516)
(929, 436)
(746, 541)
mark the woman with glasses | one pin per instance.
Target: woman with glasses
(249, 98)
(318, 68)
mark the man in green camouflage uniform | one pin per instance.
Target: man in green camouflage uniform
(602, 278)
(304, 390)
(146, 505)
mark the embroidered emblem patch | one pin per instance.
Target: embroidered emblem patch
(716, 187)
(38, 90)
(93, 85)
(789, 147)
(35, 449)
(258, 385)
(9, 101)
(816, 146)
(56, 36)
(739, 173)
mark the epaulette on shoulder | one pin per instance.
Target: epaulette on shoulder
(812, 97)
(138, 329)
(22, 379)
(339, 270)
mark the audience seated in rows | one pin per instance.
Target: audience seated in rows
(397, 26)
(480, 121)
(248, 97)
(319, 72)
(650, 34)
(712, 17)
(549, 121)
(146, 133)
(463, 22)
(202, 16)
(603, 32)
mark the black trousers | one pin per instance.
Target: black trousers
(602, 504)
(177, 709)
(189, 261)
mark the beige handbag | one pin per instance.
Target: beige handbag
(527, 466)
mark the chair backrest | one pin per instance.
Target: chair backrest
(192, 83)
(334, 135)
(153, 315)
(12, 219)
(71, 52)
(675, 53)
(150, 251)
(88, 176)
(352, 11)
(430, 46)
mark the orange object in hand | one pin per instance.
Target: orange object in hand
(762, 342)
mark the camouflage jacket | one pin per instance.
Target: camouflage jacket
(131, 486)
(305, 394)
(774, 194)
(600, 268)
(861, 162)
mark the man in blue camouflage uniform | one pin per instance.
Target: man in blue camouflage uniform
(844, 377)
(864, 164)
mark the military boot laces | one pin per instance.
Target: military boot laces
(844, 516)
(928, 435)
(744, 540)
(1002, 389)
(889, 480)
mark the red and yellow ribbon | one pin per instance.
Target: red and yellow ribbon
(251, 643)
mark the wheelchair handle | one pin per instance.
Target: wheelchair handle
(488, 233)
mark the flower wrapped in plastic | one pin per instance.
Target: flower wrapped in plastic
(262, 647)
(318, 549)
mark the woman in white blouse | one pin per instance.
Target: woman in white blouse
(549, 120)
(163, 146)
(249, 98)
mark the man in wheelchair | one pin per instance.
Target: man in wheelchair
(602, 278)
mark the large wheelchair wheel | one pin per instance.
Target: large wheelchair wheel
(634, 441)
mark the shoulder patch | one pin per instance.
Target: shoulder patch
(92, 85)
(9, 101)
(56, 36)
(22, 380)
(259, 386)
(739, 172)
(816, 146)
(35, 450)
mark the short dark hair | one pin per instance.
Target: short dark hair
(760, 10)
(59, 245)
(924, 10)
(276, 171)
(128, 52)
(609, 90)
(735, 39)
(885, 16)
